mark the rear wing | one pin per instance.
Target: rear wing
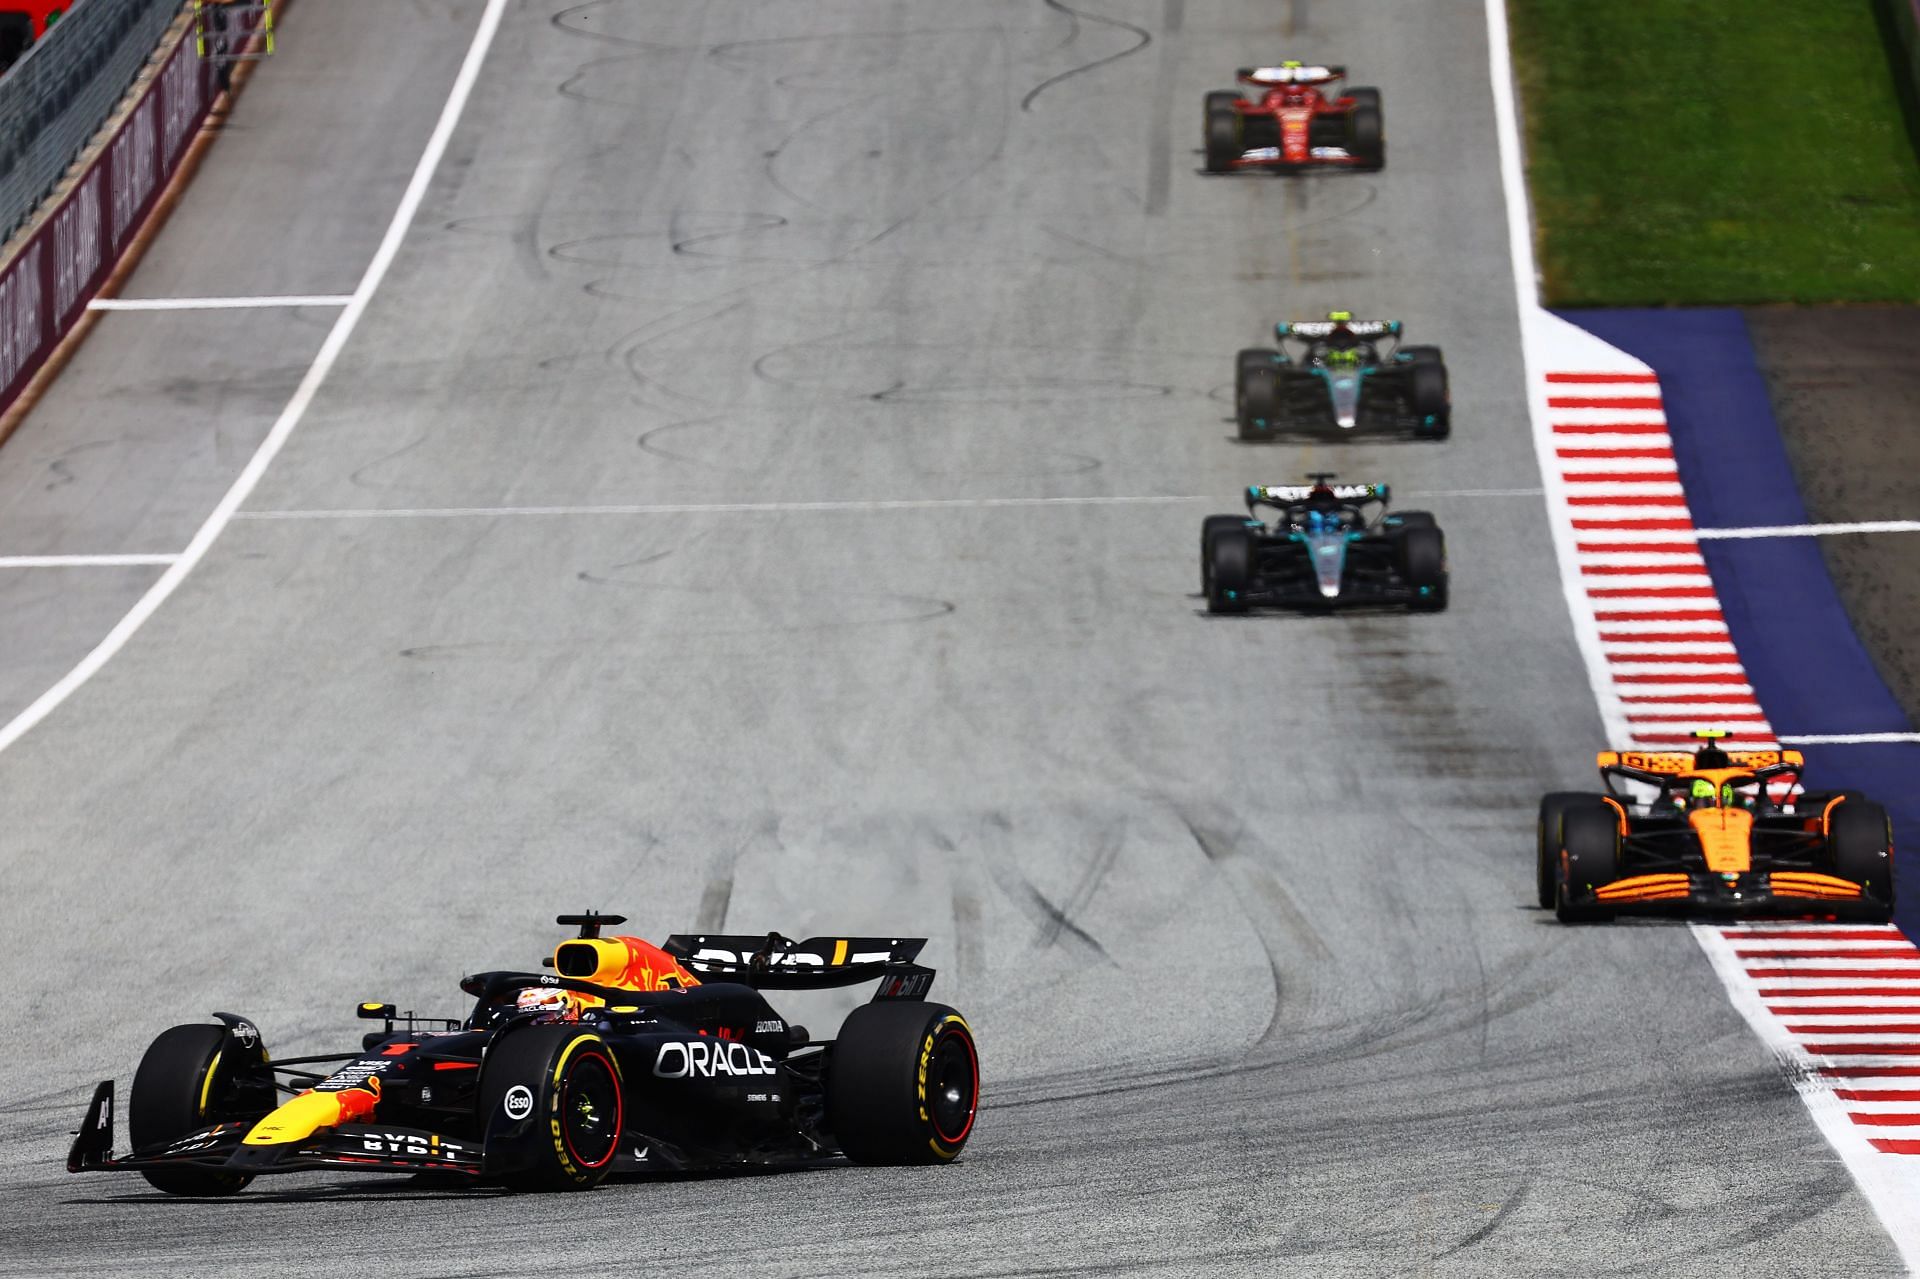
(1679, 763)
(1290, 75)
(1286, 494)
(772, 962)
(1327, 328)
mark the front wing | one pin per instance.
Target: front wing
(221, 1148)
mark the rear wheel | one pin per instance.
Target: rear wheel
(1366, 136)
(1547, 841)
(903, 1084)
(566, 1079)
(1590, 854)
(1860, 842)
(1365, 97)
(1210, 528)
(1422, 551)
(178, 1089)
(1229, 571)
(1223, 135)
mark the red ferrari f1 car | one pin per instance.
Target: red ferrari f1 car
(1294, 125)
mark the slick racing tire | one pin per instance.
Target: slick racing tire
(1229, 570)
(1256, 400)
(1422, 552)
(1210, 528)
(1547, 852)
(1365, 97)
(1860, 842)
(1413, 519)
(178, 1089)
(1223, 135)
(903, 1084)
(1427, 390)
(1590, 856)
(1366, 134)
(567, 1079)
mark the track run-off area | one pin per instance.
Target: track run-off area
(739, 465)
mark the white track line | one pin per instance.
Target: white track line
(1811, 530)
(296, 408)
(82, 561)
(1848, 739)
(217, 304)
(1890, 1182)
(777, 508)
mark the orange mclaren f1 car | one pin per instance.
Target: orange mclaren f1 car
(1713, 831)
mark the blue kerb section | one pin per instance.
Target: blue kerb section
(1808, 668)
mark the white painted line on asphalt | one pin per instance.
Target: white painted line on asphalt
(1810, 530)
(296, 408)
(217, 304)
(1847, 739)
(82, 561)
(783, 508)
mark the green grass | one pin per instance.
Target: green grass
(1698, 152)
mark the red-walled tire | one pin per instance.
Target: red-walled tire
(903, 1085)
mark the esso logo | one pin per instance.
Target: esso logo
(519, 1102)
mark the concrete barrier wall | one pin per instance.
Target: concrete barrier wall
(46, 285)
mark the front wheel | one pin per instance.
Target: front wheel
(1210, 528)
(1547, 841)
(903, 1084)
(565, 1082)
(1860, 841)
(1367, 136)
(179, 1089)
(1590, 858)
(1423, 562)
(1229, 571)
(1223, 136)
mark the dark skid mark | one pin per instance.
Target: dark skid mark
(642, 562)
(1146, 38)
(63, 473)
(1494, 1222)
(1055, 922)
(569, 20)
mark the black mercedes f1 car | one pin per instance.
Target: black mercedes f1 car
(1329, 545)
(1340, 381)
(628, 1058)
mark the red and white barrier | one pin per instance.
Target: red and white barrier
(45, 287)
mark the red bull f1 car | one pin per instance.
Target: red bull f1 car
(1293, 125)
(626, 1058)
(1326, 546)
(1714, 831)
(1340, 381)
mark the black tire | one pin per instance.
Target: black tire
(1590, 852)
(1547, 841)
(575, 1082)
(1365, 97)
(1860, 842)
(1422, 552)
(175, 1092)
(1422, 355)
(1367, 137)
(1221, 100)
(1229, 570)
(1428, 394)
(1415, 519)
(1210, 527)
(1223, 137)
(1256, 403)
(903, 1085)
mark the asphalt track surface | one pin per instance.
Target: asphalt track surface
(1240, 909)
